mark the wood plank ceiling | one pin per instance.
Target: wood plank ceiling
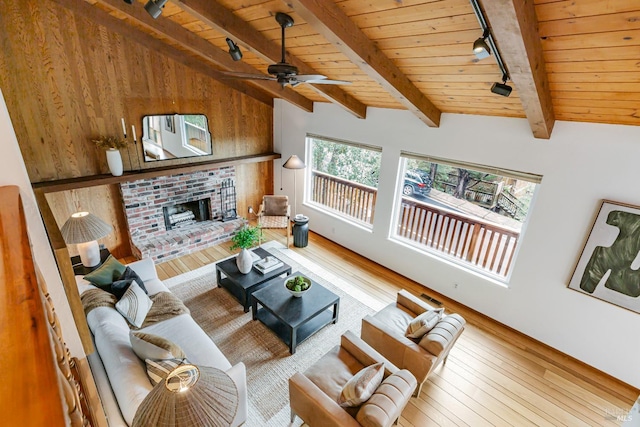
(568, 60)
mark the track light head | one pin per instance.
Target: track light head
(154, 7)
(503, 88)
(481, 48)
(234, 50)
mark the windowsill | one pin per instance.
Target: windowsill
(321, 209)
(455, 263)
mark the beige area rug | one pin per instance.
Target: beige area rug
(269, 364)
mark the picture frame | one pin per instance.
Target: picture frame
(609, 265)
(169, 124)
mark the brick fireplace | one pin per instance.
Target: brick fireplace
(184, 196)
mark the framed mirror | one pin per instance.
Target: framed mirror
(175, 136)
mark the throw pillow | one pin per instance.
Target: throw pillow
(148, 346)
(275, 206)
(119, 287)
(423, 323)
(158, 370)
(134, 305)
(361, 386)
(104, 275)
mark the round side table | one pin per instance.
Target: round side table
(300, 231)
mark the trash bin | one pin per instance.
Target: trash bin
(300, 231)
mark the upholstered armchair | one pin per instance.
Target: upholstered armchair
(385, 332)
(314, 394)
(275, 212)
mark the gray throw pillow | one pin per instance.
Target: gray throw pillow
(120, 286)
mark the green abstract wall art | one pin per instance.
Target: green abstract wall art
(609, 267)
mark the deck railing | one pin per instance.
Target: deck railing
(354, 200)
(485, 245)
(480, 243)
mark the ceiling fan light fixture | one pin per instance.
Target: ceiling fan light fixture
(154, 7)
(234, 50)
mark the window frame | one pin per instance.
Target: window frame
(442, 254)
(309, 187)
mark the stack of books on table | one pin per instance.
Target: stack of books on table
(268, 264)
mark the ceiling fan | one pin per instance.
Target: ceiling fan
(282, 72)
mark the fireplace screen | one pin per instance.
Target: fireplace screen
(183, 214)
(228, 200)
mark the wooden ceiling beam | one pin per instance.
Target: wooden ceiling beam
(515, 30)
(226, 22)
(333, 24)
(261, 92)
(205, 50)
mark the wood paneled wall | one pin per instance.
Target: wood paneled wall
(67, 79)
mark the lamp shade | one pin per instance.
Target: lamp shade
(82, 227)
(294, 162)
(201, 396)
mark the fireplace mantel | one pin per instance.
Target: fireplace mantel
(106, 179)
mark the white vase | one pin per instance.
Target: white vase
(114, 160)
(244, 261)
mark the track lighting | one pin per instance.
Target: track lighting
(234, 50)
(481, 50)
(480, 47)
(154, 7)
(502, 88)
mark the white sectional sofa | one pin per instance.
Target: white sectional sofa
(121, 376)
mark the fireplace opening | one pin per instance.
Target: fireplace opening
(184, 214)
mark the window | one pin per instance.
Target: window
(470, 214)
(344, 178)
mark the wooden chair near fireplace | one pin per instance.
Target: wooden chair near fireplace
(275, 212)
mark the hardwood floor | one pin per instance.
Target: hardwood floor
(494, 374)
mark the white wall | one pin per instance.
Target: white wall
(581, 165)
(13, 172)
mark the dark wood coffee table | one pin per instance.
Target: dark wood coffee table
(241, 285)
(294, 319)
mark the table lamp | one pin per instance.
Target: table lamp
(190, 396)
(294, 162)
(84, 229)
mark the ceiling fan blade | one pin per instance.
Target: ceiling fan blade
(307, 77)
(247, 76)
(316, 79)
(327, 82)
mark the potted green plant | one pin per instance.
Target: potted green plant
(112, 145)
(244, 239)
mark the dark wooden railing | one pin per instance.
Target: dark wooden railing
(482, 244)
(354, 200)
(509, 204)
(484, 195)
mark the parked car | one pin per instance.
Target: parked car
(416, 184)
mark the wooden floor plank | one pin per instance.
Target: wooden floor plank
(494, 376)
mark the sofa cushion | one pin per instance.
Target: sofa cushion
(423, 323)
(362, 385)
(154, 347)
(134, 305)
(333, 371)
(396, 317)
(109, 271)
(443, 334)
